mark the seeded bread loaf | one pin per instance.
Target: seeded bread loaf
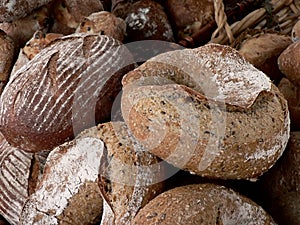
(68, 192)
(67, 87)
(203, 204)
(208, 111)
(129, 176)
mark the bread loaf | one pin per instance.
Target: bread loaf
(281, 185)
(292, 95)
(67, 14)
(104, 23)
(203, 204)
(11, 9)
(262, 49)
(289, 63)
(68, 192)
(19, 171)
(147, 20)
(6, 58)
(189, 16)
(129, 176)
(21, 30)
(67, 87)
(208, 111)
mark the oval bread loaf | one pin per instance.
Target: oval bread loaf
(67, 87)
(68, 192)
(129, 176)
(203, 204)
(208, 111)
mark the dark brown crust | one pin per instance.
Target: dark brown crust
(41, 105)
(280, 185)
(289, 63)
(14, 9)
(147, 20)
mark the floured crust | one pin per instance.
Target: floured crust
(68, 87)
(202, 204)
(70, 176)
(15, 166)
(14, 9)
(129, 177)
(220, 117)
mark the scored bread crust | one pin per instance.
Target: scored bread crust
(129, 176)
(68, 87)
(207, 111)
(202, 204)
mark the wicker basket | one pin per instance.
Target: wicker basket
(278, 15)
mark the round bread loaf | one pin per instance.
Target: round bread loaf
(208, 111)
(129, 176)
(68, 192)
(262, 49)
(190, 15)
(147, 20)
(202, 204)
(281, 185)
(104, 23)
(289, 63)
(67, 87)
(11, 9)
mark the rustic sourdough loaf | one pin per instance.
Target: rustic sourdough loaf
(203, 204)
(129, 176)
(67, 87)
(19, 175)
(208, 111)
(68, 192)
